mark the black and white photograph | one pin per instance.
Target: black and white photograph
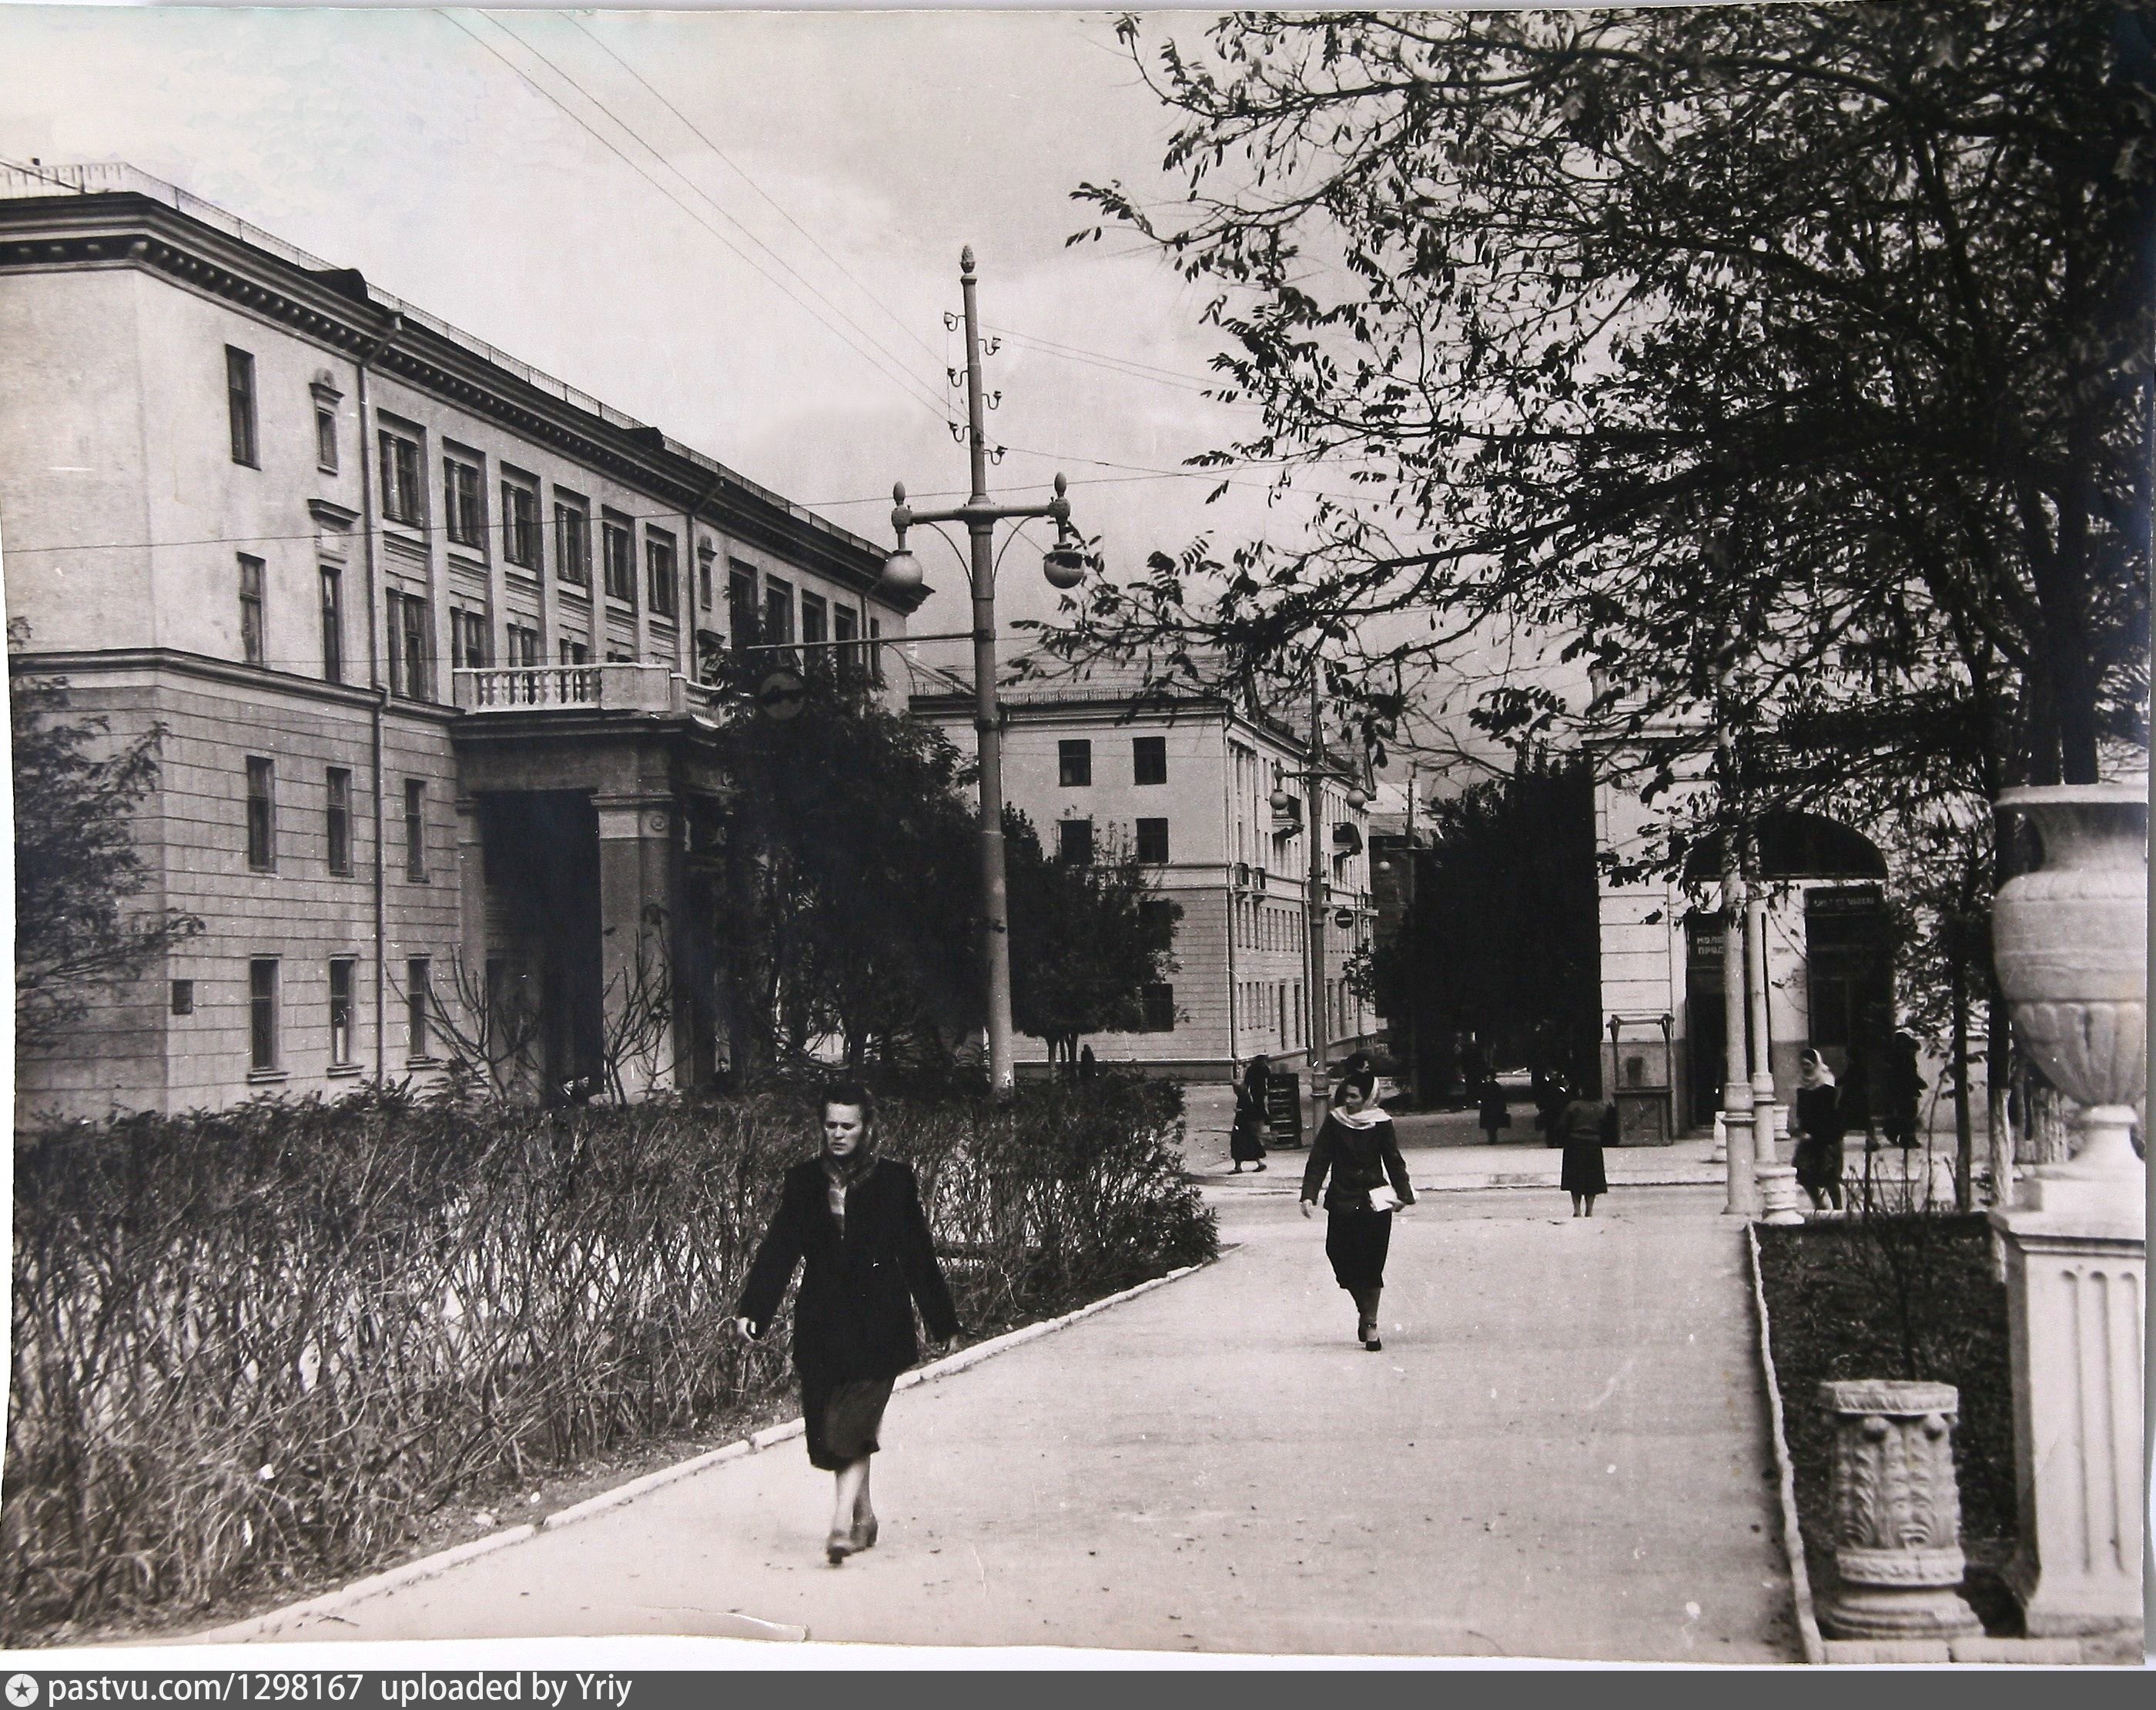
(1044, 839)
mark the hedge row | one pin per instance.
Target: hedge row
(264, 1344)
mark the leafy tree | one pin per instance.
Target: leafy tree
(76, 865)
(1817, 333)
(1085, 940)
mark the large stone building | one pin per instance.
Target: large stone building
(422, 628)
(1188, 785)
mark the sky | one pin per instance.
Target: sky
(742, 227)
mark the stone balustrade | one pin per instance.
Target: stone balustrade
(615, 687)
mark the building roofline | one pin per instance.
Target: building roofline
(116, 215)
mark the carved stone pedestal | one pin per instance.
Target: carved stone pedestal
(1896, 1513)
(1781, 1200)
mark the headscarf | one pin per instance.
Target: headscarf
(1812, 1071)
(1367, 1118)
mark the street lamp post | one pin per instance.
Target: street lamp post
(1064, 565)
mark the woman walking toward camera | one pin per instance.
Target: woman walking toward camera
(1246, 1140)
(853, 1222)
(1357, 1148)
(1821, 1126)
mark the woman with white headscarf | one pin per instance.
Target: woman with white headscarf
(1820, 1128)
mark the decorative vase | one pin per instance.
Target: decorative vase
(2071, 943)
(1896, 1513)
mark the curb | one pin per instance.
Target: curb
(1793, 1540)
(270, 1622)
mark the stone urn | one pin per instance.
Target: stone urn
(2071, 943)
(1896, 1513)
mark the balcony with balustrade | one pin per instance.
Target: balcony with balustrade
(617, 687)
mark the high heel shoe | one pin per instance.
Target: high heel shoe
(838, 1546)
(864, 1533)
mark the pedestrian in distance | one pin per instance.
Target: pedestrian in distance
(853, 1222)
(1359, 1150)
(1246, 1139)
(1494, 1116)
(1583, 1126)
(1819, 1129)
(1089, 1066)
(1900, 1090)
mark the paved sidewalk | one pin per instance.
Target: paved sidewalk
(1561, 1452)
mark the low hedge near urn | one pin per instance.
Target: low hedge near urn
(259, 1348)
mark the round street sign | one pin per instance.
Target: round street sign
(1343, 918)
(779, 695)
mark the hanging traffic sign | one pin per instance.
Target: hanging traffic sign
(780, 695)
(1343, 918)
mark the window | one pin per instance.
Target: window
(741, 606)
(845, 627)
(251, 648)
(415, 830)
(618, 555)
(402, 499)
(1074, 842)
(261, 814)
(342, 1053)
(1148, 759)
(262, 1014)
(1153, 841)
(572, 540)
(239, 405)
(333, 624)
(523, 644)
(573, 653)
(183, 997)
(1074, 764)
(464, 512)
(1158, 999)
(704, 557)
(326, 437)
(340, 820)
(520, 522)
(815, 618)
(409, 649)
(419, 997)
(778, 612)
(1156, 918)
(659, 572)
(468, 639)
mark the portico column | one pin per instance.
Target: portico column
(1736, 1083)
(639, 901)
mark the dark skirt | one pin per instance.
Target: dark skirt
(1246, 1142)
(1819, 1162)
(1583, 1171)
(840, 1417)
(1357, 1243)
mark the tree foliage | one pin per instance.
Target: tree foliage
(1811, 336)
(77, 869)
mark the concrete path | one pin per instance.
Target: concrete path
(1560, 1453)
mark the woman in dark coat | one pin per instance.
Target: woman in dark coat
(853, 1222)
(1357, 1146)
(1821, 1126)
(1901, 1090)
(1246, 1140)
(1584, 1126)
(1494, 1116)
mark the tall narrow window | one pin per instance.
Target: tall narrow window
(468, 639)
(343, 1053)
(339, 821)
(464, 512)
(520, 524)
(1153, 841)
(815, 618)
(415, 830)
(262, 1014)
(333, 624)
(252, 647)
(1074, 842)
(1148, 759)
(261, 814)
(617, 551)
(778, 612)
(704, 557)
(1074, 763)
(845, 627)
(418, 1000)
(573, 540)
(741, 606)
(239, 405)
(1158, 998)
(403, 500)
(659, 573)
(326, 437)
(409, 647)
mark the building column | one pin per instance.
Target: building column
(639, 898)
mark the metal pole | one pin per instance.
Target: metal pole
(995, 909)
(1737, 1106)
(1314, 976)
(1763, 1062)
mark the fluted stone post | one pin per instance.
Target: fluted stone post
(1897, 1511)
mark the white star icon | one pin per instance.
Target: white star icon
(21, 1691)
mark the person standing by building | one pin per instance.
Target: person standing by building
(1900, 1091)
(1359, 1150)
(853, 1221)
(1246, 1139)
(1493, 1115)
(1583, 1126)
(1819, 1128)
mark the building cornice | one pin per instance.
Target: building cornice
(173, 661)
(336, 309)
